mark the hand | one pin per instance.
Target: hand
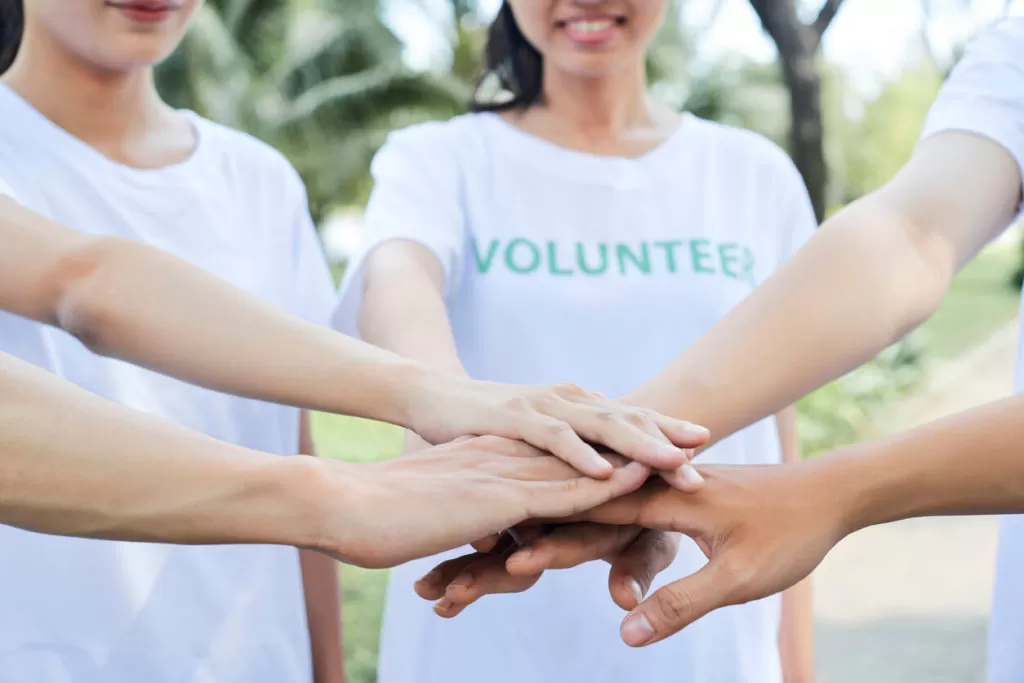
(763, 529)
(446, 496)
(560, 419)
(636, 554)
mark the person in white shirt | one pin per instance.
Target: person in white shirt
(85, 142)
(874, 271)
(576, 229)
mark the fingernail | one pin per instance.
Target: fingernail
(519, 556)
(690, 475)
(696, 431)
(443, 605)
(463, 581)
(638, 592)
(637, 630)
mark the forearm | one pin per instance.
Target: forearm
(137, 303)
(873, 272)
(235, 342)
(857, 286)
(963, 465)
(106, 472)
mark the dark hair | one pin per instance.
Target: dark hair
(513, 62)
(12, 24)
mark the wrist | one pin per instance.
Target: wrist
(865, 487)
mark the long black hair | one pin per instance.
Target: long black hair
(513, 62)
(12, 25)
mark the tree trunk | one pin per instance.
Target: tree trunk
(798, 45)
(806, 140)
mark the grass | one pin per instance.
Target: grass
(980, 301)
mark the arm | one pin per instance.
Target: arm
(796, 627)
(111, 473)
(133, 302)
(872, 273)
(323, 599)
(403, 310)
(868, 275)
(766, 529)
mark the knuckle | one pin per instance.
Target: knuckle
(635, 419)
(519, 404)
(569, 390)
(674, 604)
(558, 430)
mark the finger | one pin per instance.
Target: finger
(682, 433)
(634, 569)
(486, 576)
(561, 440)
(686, 479)
(485, 545)
(655, 506)
(572, 496)
(627, 431)
(433, 585)
(570, 545)
(675, 607)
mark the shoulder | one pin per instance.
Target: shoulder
(451, 139)
(739, 150)
(989, 76)
(246, 157)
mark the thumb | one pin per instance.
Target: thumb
(674, 607)
(634, 569)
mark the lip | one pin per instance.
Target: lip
(581, 29)
(146, 11)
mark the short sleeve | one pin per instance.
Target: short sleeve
(313, 293)
(984, 93)
(416, 196)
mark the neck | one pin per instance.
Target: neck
(98, 106)
(611, 105)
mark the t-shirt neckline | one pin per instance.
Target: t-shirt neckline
(78, 147)
(550, 157)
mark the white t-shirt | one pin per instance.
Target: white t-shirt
(564, 266)
(985, 95)
(86, 611)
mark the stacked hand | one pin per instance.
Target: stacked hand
(562, 419)
(447, 496)
(763, 528)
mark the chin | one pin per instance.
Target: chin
(591, 65)
(136, 52)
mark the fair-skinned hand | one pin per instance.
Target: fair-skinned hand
(446, 496)
(562, 419)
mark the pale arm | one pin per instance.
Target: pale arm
(870, 274)
(130, 301)
(323, 598)
(796, 626)
(108, 472)
(403, 310)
